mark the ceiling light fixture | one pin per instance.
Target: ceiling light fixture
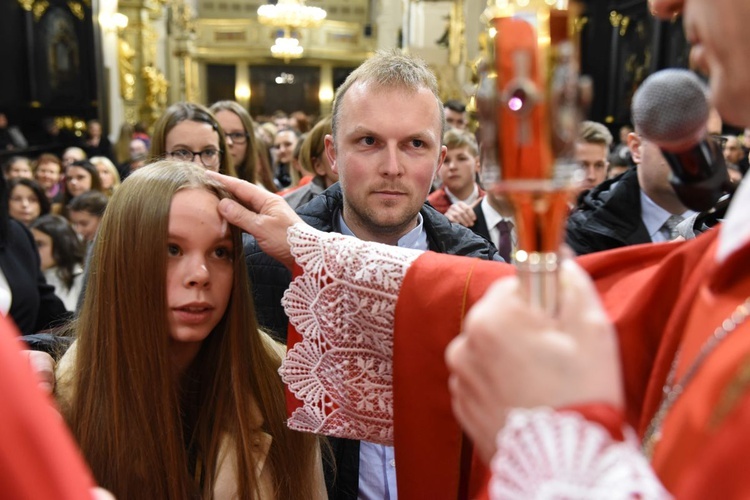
(287, 47)
(290, 14)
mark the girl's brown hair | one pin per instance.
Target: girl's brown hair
(145, 432)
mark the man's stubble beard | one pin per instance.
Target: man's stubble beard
(367, 219)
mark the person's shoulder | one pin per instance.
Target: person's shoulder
(612, 198)
(20, 237)
(276, 349)
(436, 195)
(320, 210)
(64, 377)
(299, 196)
(439, 200)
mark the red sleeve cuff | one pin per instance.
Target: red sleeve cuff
(609, 417)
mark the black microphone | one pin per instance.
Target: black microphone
(671, 110)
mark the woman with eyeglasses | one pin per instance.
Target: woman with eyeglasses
(242, 145)
(189, 132)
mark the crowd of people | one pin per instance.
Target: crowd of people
(366, 263)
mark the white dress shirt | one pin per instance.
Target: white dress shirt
(654, 217)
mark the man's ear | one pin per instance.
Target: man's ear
(634, 145)
(331, 153)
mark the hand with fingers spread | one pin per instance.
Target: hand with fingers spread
(260, 213)
(462, 213)
(512, 355)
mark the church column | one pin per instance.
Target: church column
(242, 84)
(326, 88)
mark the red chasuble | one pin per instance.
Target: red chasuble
(38, 458)
(659, 296)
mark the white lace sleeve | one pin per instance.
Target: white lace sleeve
(343, 306)
(542, 453)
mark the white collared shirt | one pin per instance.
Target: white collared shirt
(654, 217)
(474, 196)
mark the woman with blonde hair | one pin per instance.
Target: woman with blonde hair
(109, 176)
(170, 389)
(240, 133)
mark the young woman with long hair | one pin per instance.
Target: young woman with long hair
(170, 389)
(61, 254)
(242, 144)
(80, 177)
(188, 131)
(108, 174)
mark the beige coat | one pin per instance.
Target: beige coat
(225, 487)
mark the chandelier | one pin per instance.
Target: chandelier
(290, 14)
(287, 47)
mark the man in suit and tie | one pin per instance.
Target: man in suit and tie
(495, 224)
(640, 206)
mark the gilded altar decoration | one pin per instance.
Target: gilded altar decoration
(37, 7)
(456, 38)
(77, 9)
(126, 64)
(156, 86)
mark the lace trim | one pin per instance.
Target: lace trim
(547, 454)
(343, 306)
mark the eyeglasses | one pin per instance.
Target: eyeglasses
(237, 137)
(720, 140)
(209, 157)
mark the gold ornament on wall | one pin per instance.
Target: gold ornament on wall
(156, 86)
(77, 9)
(38, 7)
(126, 64)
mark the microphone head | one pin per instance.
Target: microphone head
(671, 109)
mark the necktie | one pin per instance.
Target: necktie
(504, 243)
(670, 227)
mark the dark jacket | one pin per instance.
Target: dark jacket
(34, 305)
(270, 279)
(608, 216)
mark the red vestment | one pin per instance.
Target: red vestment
(660, 297)
(38, 457)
